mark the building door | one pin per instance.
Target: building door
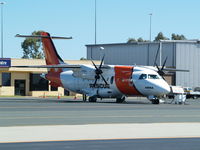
(20, 88)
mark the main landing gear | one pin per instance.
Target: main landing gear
(120, 100)
(84, 98)
(92, 99)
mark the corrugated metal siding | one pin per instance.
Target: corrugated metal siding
(130, 54)
(187, 57)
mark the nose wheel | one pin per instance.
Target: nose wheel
(155, 101)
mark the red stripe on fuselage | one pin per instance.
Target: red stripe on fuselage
(54, 77)
(123, 80)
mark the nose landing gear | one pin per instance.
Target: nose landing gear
(155, 101)
(92, 99)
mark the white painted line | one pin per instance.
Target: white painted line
(98, 132)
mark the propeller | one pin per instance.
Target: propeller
(161, 70)
(156, 55)
(99, 72)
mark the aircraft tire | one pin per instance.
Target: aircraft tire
(84, 98)
(92, 99)
(155, 101)
(120, 100)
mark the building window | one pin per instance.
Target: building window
(66, 92)
(54, 88)
(6, 79)
(38, 83)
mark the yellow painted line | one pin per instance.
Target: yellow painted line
(103, 139)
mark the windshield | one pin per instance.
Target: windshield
(143, 76)
(153, 76)
(149, 76)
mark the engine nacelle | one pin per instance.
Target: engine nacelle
(105, 93)
(86, 72)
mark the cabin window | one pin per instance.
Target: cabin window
(143, 76)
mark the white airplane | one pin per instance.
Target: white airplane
(101, 81)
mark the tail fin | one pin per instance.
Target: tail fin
(51, 55)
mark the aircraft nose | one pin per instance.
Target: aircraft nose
(165, 89)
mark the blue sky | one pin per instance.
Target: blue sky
(117, 20)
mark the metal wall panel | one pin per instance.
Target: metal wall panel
(130, 54)
(187, 57)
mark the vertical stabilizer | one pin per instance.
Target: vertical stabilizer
(51, 55)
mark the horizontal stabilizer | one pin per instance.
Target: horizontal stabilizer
(40, 36)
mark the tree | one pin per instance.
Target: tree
(32, 47)
(140, 39)
(178, 37)
(160, 36)
(83, 58)
(131, 40)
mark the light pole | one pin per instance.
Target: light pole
(95, 22)
(150, 27)
(101, 52)
(2, 3)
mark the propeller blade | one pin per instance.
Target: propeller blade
(102, 61)
(94, 64)
(157, 55)
(157, 66)
(95, 82)
(103, 79)
(164, 63)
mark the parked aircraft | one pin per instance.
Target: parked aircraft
(101, 81)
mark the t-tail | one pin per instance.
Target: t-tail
(51, 56)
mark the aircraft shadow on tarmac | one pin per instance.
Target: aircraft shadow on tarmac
(53, 100)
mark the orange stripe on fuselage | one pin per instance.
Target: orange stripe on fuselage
(123, 80)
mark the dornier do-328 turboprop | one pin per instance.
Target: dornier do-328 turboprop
(101, 81)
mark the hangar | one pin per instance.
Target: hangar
(180, 55)
(27, 81)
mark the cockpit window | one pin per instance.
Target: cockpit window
(143, 76)
(153, 76)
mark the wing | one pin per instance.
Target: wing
(81, 71)
(50, 66)
(166, 69)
